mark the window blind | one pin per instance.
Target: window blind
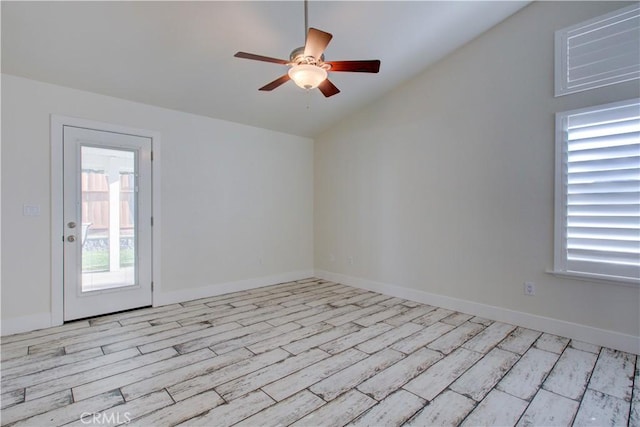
(598, 52)
(602, 182)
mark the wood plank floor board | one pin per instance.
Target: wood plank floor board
(485, 374)
(317, 340)
(175, 376)
(350, 340)
(314, 353)
(519, 340)
(585, 346)
(230, 333)
(339, 411)
(355, 315)
(197, 385)
(11, 398)
(394, 410)
(422, 338)
(381, 315)
(435, 379)
(179, 412)
(289, 337)
(377, 299)
(36, 407)
(127, 411)
(99, 370)
(284, 412)
(354, 299)
(634, 418)
(390, 379)
(47, 375)
(332, 385)
(49, 363)
(620, 385)
(327, 314)
(489, 337)
(552, 343)
(329, 299)
(73, 411)
(124, 336)
(259, 299)
(139, 313)
(526, 377)
(387, 338)
(308, 312)
(549, 409)
(183, 314)
(410, 314)
(275, 314)
(53, 341)
(497, 409)
(212, 317)
(433, 316)
(312, 373)
(600, 409)
(246, 340)
(90, 339)
(570, 375)
(26, 359)
(232, 412)
(70, 328)
(457, 319)
(456, 337)
(154, 337)
(448, 409)
(289, 371)
(120, 380)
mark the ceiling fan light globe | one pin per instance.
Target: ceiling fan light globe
(307, 76)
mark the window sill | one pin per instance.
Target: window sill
(597, 278)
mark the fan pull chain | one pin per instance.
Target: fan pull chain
(308, 99)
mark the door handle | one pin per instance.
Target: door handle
(71, 238)
(71, 224)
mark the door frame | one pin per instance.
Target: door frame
(57, 206)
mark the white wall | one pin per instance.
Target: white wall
(236, 201)
(443, 189)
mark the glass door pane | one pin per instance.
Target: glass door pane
(108, 212)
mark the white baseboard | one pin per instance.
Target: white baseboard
(602, 337)
(164, 298)
(16, 325)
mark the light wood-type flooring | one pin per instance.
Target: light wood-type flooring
(310, 353)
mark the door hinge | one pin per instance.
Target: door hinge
(152, 221)
(151, 286)
(152, 156)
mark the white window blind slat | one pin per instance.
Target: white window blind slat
(599, 179)
(623, 40)
(598, 52)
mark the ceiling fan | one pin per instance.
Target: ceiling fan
(308, 67)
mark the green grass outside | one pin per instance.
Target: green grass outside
(99, 260)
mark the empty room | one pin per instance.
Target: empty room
(320, 213)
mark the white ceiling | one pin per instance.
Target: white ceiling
(179, 55)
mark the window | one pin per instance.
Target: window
(598, 192)
(598, 52)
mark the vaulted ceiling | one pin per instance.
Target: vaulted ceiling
(179, 55)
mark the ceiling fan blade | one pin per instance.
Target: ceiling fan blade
(277, 82)
(372, 66)
(255, 57)
(317, 42)
(328, 89)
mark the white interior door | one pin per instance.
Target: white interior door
(107, 222)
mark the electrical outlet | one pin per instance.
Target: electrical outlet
(529, 288)
(350, 260)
